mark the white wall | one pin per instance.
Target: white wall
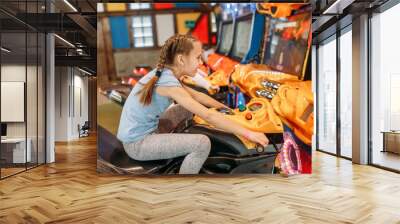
(61, 103)
(71, 93)
(80, 96)
(12, 73)
(165, 27)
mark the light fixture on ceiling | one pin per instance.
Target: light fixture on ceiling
(84, 71)
(5, 50)
(70, 5)
(79, 51)
(65, 41)
(337, 7)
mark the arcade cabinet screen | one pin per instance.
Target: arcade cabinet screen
(226, 38)
(289, 43)
(242, 41)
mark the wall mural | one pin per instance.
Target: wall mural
(228, 93)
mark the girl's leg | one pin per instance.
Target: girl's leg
(196, 147)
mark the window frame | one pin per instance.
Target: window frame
(131, 29)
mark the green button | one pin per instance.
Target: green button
(242, 108)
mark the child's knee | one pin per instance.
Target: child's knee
(204, 143)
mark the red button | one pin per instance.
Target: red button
(248, 116)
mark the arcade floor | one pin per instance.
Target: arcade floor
(70, 191)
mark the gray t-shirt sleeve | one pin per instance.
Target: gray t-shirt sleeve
(168, 79)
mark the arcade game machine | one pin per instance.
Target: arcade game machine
(239, 42)
(247, 37)
(235, 154)
(281, 79)
(249, 30)
(218, 64)
(119, 92)
(285, 57)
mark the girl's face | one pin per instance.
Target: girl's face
(189, 63)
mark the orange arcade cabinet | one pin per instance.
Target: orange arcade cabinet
(239, 41)
(287, 51)
(280, 79)
(285, 56)
(219, 61)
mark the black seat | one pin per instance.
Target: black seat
(112, 151)
(223, 143)
(121, 159)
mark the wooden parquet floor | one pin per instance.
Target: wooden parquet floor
(71, 191)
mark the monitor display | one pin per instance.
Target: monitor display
(226, 38)
(288, 45)
(242, 40)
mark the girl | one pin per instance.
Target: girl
(155, 92)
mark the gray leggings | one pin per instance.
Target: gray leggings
(158, 145)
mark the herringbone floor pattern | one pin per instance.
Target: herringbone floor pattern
(70, 191)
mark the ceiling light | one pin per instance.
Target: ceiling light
(70, 5)
(5, 49)
(86, 72)
(65, 41)
(337, 7)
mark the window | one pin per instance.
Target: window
(135, 6)
(142, 30)
(346, 75)
(327, 96)
(385, 88)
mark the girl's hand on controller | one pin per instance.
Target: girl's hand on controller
(257, 137)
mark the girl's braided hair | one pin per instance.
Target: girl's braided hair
(177, 44)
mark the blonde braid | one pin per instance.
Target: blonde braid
(162, 59)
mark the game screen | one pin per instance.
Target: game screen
(288, 44)
(242, 40)
(226, 38)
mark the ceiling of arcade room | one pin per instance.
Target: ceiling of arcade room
(73, 21)
(326, 13)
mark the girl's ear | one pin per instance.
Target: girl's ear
(179, 59)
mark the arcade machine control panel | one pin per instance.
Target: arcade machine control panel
(257, 115)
